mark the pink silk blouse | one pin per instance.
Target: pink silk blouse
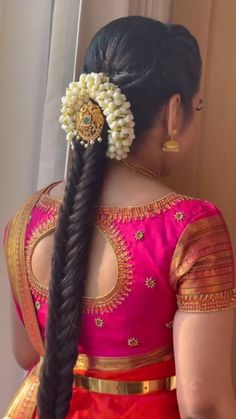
(172, 254)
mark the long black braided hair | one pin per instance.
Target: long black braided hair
(149, 61)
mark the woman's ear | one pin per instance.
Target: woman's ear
(173, 108)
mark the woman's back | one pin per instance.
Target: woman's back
(102, 265)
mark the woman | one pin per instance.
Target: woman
(141, 285)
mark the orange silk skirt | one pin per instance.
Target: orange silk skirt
(158, 405)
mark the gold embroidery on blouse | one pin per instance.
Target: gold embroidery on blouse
(142, 212)
(132, 213)
(122, 288)
(202, 270)
(99, 322)
(48, 203)
(100, 304)
(39, 290)
(139, 235)
(133, 342)
(207, 302)
(150, 283)
(160, 354)
(179, 216)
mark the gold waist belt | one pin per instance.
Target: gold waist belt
(124, 387)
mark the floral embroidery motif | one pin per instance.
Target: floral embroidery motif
(179, 216)
(99, 322)
(169, 325)
(150, 282)
(133, 342)
(139, 235)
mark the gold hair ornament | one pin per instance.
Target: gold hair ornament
(89, 123)
(86, 106)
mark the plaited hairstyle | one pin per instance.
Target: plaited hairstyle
(150, 61)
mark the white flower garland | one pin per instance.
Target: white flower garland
(115, 108)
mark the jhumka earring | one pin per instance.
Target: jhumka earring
(171, 145)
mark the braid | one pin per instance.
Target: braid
(68, 278)
(49, 368)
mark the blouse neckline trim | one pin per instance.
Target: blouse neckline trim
(126, 213)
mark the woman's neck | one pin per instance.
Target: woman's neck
(124, 187)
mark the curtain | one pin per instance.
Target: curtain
(157, 9)
(209, 171)
(37, 51)
(64, 28)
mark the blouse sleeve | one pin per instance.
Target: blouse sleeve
(202, 267)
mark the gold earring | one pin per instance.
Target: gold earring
(171, 145)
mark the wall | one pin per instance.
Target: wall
(209, 171)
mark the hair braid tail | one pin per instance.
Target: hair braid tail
(49, 369)
(77, 246)
(67, 310)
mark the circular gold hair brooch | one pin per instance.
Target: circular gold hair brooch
(89, 124)
(88, 104)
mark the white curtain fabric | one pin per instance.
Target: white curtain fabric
(24, 49)
(64, 28)
(37, 51)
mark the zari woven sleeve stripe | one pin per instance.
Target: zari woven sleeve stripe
(202, 267)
